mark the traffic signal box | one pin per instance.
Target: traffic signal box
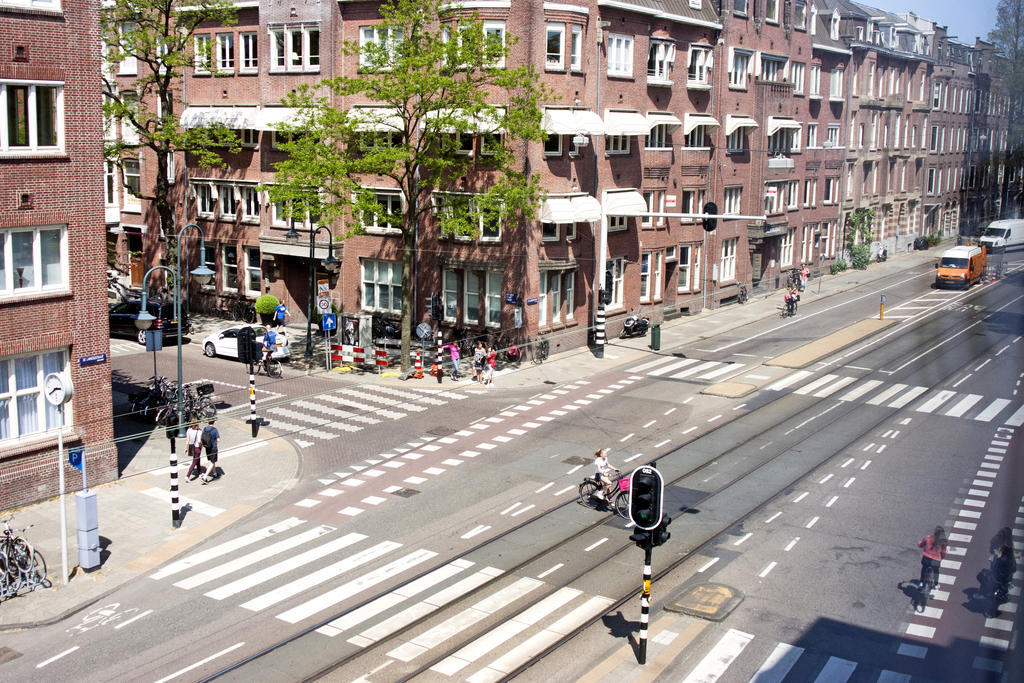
(646, 502)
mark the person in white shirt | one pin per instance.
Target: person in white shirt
(602, 470)
(195, 449)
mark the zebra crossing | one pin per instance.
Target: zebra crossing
(782, 660)
(344, 411)
(296, 570)
(673, 367)
(921, 399)
(125, 348)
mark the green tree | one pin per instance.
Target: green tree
(858, 237)
(159, 37)
(435, 79)
(1008, 39)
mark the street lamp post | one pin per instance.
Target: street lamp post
(145, 320)
(330, 263)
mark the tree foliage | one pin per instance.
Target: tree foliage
(858, 237)
(1008, 40)
(159, 36)
(434, 80)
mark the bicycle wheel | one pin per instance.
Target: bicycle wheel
(250, 314)
(206, 410)
(542, 350)
(621, 504)
(273, 368)
(4, 578)
(37, 572)
(588, 493)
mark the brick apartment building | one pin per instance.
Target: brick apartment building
(52, 288)
(790, 114)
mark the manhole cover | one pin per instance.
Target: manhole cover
(441, 431)
(576, 460)
(406, 493)
(711, 601)
(7, 654)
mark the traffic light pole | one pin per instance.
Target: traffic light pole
(645, 600)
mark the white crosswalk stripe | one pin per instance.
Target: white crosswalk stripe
(665, 369)
(340, 400)
(334, 412)
(935, 401)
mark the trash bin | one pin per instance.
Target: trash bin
(656, 337)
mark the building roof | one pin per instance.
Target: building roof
(678, 11)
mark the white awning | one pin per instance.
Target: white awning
(661, 118)
(270, 118)
(375, 119)
(691, 121)
(588, 123)
(556, 210)
(777, 123)
(733, 122)
(625, 203)
(559, 122)
(585, 208)
(237, 118)
(625, 123)
(572, 122)
(466, 122)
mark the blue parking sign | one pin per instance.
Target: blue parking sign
(328, 321)
(75, 458)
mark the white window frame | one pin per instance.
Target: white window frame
(700, 61)
(773, 68)
(771, 11)
(786, 249)
(492, 297)
(393, 270)
(617, 266)
(253, 273)
(205, 199)
(576, 48)
(732, 200)
(9, 268)
(111, 184)
(202, 44)
(129, 64)
(248, 43)
(132, 202)
(392, 201)
(812, 135)
(225, 53)
(450, 294)
(250, 137)
(793, 194)
(660, 60)
(227, 201)
(832, 135)
(814, 87)
(286, 56)
(616, 144)
(727, 264)
(32, 120)
(496, 27)
(617, 223)
(660, 137)
(739, 66)
(47, 415)
(835, 91)
(776, 204)
(251, 203)
(554, 61)
(469, 294)
(228, 269)
(800, 15)
(655, 200)
(797, 72)
(620, 55)
(683, 269)
(735, 141)
(831, 190)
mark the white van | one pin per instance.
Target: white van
(1003, 234)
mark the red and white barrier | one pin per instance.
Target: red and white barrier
(346, 353)
(380, 358)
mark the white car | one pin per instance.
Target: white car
(225, 342)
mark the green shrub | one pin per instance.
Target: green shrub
(838, 267)
(933, 240)
(266, 304)
(860, 256)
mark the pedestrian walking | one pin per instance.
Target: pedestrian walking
(453, 351)
(211, 442)
(933, 551)
(805, 275)
(492, 361)
(280, 314)
(479, 359)
(195, 449)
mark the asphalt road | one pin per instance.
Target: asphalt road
(807, 496)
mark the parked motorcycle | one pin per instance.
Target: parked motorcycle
(882, 256)
(635, 325)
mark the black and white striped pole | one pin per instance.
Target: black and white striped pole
(437, 358)
(172, 432)
(602, 278)
(646, 492)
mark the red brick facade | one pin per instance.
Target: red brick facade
(55, 301)
(793, 192)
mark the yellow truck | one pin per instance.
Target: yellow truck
(960, 267)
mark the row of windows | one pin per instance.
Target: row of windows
(293, 48)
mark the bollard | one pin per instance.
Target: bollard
(656, 337)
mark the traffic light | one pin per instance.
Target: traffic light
(641, 538)
(645, 497)
(661, 535)
(710, 223)
(436, 312)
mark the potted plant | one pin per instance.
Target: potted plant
(265, 307)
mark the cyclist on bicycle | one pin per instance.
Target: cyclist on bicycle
(269, 345)
(602, 468)
(933, 552)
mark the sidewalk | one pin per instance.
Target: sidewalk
(136, 534)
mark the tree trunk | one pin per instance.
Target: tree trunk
(408, 252)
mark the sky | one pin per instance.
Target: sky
(965, 19)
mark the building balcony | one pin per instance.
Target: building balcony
(773, 227)
(895, 101)
(780, 162)
(921, 107)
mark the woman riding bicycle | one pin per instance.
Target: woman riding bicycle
(933, 552)
(602, 469)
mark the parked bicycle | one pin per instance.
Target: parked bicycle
(619, 501)
(196, 403)
(539, 350)
(237, 308)
(22, 567)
